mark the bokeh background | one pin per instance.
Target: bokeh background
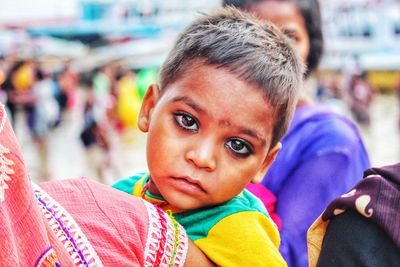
(87, 63)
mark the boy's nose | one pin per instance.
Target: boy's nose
(202, 155)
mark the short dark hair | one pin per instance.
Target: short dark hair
(310, 11)
(257, 52)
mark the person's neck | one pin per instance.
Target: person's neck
(153, 188)
(306, 92)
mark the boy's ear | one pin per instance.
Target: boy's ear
(149, 102)
(267, 163)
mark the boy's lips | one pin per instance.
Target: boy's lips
(189, 183)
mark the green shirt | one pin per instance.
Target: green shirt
(238, 232)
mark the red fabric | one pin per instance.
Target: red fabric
(23, 234)
(97, 223)
(115, 229)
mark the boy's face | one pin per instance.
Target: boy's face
(208, 136)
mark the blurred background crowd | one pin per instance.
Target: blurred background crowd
(73, 74)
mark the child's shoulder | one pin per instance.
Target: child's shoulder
(243, 211)
(244, 202)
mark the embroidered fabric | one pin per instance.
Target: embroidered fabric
(49, 258)
(167, 242)
(66, 230)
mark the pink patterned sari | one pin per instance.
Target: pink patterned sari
(78, 222)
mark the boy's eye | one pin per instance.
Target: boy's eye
(239, 147)
(186, 122)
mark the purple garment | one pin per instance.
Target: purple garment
(376, 197)
(322, 157)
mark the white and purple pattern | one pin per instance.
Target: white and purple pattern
(66, 230)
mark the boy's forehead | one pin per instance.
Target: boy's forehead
(197, 74)
(199, 68)
(222, 95)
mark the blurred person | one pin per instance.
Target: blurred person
(361, 227)
(75, 222)
(67, 89)
(334, 97)
(94, 137)
(18, 86)
(97, 131)
(129, 102)
(103, 87)
(31, 91)
(350, 68)
(322, 153)
(361, 95)
(61, 98)
(322, 91)
(69, 83)
(47, 112)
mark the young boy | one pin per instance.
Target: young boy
(227, 92)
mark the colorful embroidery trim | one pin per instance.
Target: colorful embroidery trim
(48, 259)
(167, 242)
(66, 230)
(177, 241)
(5, 163)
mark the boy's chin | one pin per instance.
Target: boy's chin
(185, 204)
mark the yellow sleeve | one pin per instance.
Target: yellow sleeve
(245, 238)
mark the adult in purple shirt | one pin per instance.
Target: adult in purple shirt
(322, 154)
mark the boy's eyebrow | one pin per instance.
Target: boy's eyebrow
(254, 134)
(188, 101)
(244, 130)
